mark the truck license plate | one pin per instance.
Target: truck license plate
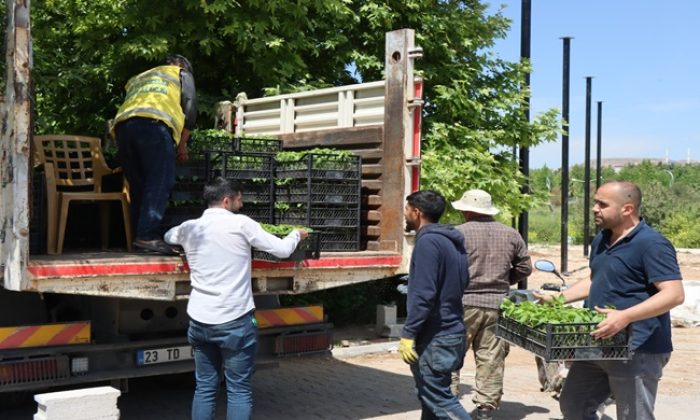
(164, 355)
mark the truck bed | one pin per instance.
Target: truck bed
(160, 277)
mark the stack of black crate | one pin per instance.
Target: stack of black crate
(186, 200)
(38, 217)
(322, 191)
(251, 163)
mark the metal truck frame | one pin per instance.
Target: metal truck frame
(109, 316)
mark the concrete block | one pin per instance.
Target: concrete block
(386, 314)
(80, 404)
(391, 330)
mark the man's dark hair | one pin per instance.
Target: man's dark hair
(179, 60)
(431, 203)
(218, 188)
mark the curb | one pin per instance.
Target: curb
(353, 351)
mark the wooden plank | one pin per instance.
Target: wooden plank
(372, 215)
(372, 231)
(369, 154)
(337, 138)
(372, 246)
(399, 70)
(373, 200)
(372, 184)
(371, 169)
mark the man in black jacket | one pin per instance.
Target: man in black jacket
(433, 339)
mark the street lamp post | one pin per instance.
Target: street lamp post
(587, 169)
(566, 71)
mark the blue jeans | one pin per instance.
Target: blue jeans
(229, 347)
(147, 154)
(633, 384)
(433, 375)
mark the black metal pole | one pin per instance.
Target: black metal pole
(598, 151)
(587, 171)
(565, 156)
(525, 30)
(599, 143)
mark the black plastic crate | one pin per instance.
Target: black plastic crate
(260, 213)
(257, 192)
(340, 239)
(194, 169)
(309, 248)
(237, 166)
(319, 217)
(321, 166)
(566, 341)
(187, 190)
(257, 146)
(38, 216)
(320, 192)
(175, 216)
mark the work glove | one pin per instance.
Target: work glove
(408, 353)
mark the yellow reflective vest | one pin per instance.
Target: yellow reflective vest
(155, 94)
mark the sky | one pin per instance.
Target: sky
(645, 61)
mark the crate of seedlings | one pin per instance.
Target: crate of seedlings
(260, 213)
(554, 331)
(257, 191)
(210, 139)
(320, 192)
(317, 216)
(308, 248)
(239, 166)
(343, 239)
(328, 164)
(250, 145)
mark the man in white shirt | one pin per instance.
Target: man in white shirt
(222, 327)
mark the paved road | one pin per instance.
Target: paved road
(366, 387)
(379, 386)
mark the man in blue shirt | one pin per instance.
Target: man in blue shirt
(634, 270)
(433, 339)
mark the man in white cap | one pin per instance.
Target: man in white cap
(497, 257)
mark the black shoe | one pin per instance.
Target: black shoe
(157, 245)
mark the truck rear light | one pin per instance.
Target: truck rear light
(33, 370)
(301, 343)
(79, 365)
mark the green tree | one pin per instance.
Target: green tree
(85, 51)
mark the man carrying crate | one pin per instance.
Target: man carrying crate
(635, 271)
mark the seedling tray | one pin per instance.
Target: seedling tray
(320, 192)
(309, 248)
(316, 217)
(263, 213)
(239, 166)
(321, 166)
(257, 146)
(566, 341)
(340, 240)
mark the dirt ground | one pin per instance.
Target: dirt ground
(688, 259)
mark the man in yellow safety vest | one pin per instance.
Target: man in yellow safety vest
(152, 127)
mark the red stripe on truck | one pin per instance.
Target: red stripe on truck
(95, 269)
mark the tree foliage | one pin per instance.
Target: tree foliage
(670, 200)
(85, 51)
